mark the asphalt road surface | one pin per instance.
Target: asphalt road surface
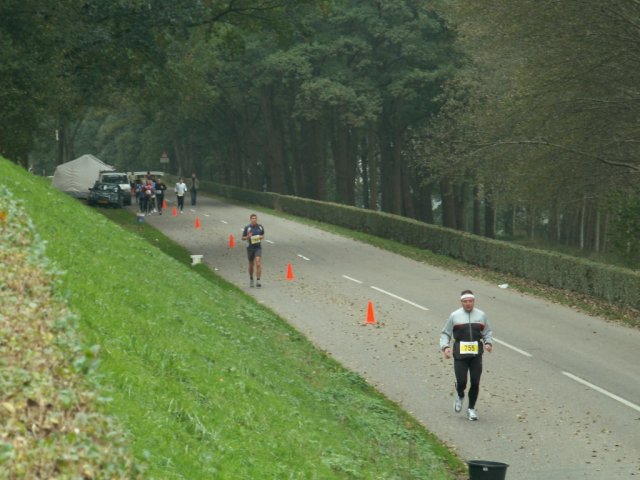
(560, 393)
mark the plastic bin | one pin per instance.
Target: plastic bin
(140, 217)
(487, 470)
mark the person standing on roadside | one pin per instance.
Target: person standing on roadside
(180, 189)
(149, 197)
(471, 333)
(194, 187)
(160, 188)
(254, 234)
(139, 194)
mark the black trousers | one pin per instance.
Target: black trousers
(471, 367)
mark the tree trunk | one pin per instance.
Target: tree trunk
(177, 149)
(407, 191)
(605, 233)
(509, 219)
(65, 143)
(275, 151)
(477, 228)
(343, 165)
(448, 203)
(313, 159)
(532, 222)
(460, 200)
(583, 214)
(364, 160)
(489, 217)
(390, 167)
(373, 169)
(596, 245)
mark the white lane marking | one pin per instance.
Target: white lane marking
(304, 258)
(400, 298)
(352, 279)
(206, 214)
(224, 221)
(269, 241)
(603, 391)
(515, 349)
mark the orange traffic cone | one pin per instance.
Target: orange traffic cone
(289, 272)
(198, 222)
(232, 241)
(370, 317)
(164, 204)
(174, 212)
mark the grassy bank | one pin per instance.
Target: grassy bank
(207, 383)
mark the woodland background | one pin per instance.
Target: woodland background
(512, 120)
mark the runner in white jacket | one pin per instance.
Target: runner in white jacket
(180, 189)
(471, 333)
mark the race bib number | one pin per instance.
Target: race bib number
(468, 348)
(255, 239)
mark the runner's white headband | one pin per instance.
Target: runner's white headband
(467, 295)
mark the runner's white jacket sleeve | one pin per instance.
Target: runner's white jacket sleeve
(446, 334)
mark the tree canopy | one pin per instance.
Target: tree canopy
(406, 106)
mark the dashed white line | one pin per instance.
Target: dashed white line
(400, 298)
(603, 391)
(304, 258)
(352, 279)
(515, 349)
(269, 241)
(224, 221)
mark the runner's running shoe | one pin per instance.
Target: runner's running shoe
(251, 282)
(258, 284)
(471, 414)
(457, 404)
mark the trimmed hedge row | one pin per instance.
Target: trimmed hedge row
(614, 284)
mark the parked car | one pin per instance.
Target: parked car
(106, 194)
(118, 178)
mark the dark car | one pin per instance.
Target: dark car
(106, 194)
(119, 178)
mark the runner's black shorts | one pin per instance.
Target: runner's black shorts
(253, 252)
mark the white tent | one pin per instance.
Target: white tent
(77, 176)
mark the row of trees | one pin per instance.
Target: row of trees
(512, 119)
(554, 110)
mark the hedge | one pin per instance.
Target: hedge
(613, 284)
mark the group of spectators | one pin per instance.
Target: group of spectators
(149, 193)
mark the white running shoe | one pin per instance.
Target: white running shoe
(471, 414)
(457, 404)
(251, 282)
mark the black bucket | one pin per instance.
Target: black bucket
(486, 470)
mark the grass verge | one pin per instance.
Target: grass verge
(50, 420)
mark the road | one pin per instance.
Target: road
(560, 393)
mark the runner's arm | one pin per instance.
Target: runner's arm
(446, 334)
